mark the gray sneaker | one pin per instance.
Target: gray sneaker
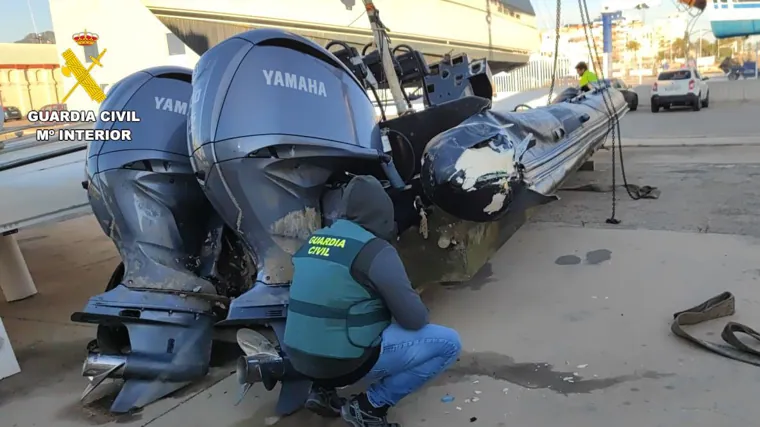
(358, 412)
(324, 402)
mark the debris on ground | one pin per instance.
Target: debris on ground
(641, 192)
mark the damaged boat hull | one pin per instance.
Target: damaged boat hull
(479, 169)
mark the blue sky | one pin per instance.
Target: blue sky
(16, 21)
(545, 10)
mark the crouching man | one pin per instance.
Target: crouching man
(353, 314)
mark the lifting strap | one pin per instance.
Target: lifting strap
(722, 305)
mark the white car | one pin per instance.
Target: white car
(684, 86)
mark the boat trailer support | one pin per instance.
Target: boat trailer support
(15, 280)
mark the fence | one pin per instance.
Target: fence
(537, 73)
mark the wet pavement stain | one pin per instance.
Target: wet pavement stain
(592, 257)
(568, 260)
(535, 375)
(482, 278)
(598, 256)
(577, 316)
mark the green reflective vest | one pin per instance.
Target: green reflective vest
(330, 314)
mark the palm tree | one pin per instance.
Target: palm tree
(633, 46)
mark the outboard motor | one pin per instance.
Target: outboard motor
(276, 122)
(155, 319)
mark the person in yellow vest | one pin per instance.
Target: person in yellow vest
(586, 76)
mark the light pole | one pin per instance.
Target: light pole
(643, 8)
(701, 33)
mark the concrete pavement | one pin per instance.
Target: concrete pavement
(568, 324)
(727, 120)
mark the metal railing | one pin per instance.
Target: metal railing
(537, 73)
(14, 129)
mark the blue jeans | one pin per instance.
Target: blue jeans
(409, 359)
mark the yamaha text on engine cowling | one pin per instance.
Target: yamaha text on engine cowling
(276, 124)
(156, 316)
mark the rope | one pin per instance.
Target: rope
(612, 115)
(557, 26)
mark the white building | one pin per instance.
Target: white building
(671, 28)
(143, 33)
(133, 37)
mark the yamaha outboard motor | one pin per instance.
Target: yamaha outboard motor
(277, 123)
(155, 319)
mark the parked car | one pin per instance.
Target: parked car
(11, 113)
(631, 97)
(680, 87)
(54, 107)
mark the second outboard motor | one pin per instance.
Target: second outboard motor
(155, 319)
(275, 119)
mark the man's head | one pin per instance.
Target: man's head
(581, 68)
(366, 203)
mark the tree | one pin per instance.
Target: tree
(678, 47)
(633, 46)
(708, 48)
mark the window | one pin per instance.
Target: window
(675, 75)
(176, 47)
(91, 51)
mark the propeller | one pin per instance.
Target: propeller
(253, 344)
